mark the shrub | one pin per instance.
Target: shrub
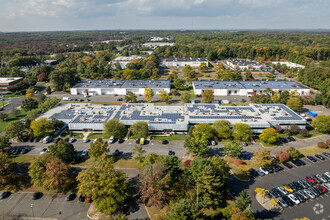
(283, 156)
(304, 133)
(328, 142)
(278, 128)
(322, 145)
(187, 163)
(238, 162)
(294, 129)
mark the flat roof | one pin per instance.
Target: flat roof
(189, 59)
(217, 84)
(9, 79)
(86, 84)
(245, 62)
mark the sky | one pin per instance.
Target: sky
(54, 15)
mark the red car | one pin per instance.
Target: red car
(322, 188)
(89, 199)
(309, 179)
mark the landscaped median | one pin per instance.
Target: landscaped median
(269, 204)
(239, 168)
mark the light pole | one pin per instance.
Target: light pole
(32, 210)
(197, 194)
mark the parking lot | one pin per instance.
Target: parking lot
(313, 209)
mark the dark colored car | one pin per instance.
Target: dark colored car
(272, 194)
(288, 165)
(120, 99)
(24, 139)
(291, 139)
(311, 159)
(137, 141)
(81, 100)
(326, 154)
(171, 152)
(116, 153)
(299, 197)
(296, 162)
(277, 192)
(284, 140)
(70, 196)
(301, 162)
(36, 195)
(36, 140)
(310, 179)
(315, 192)
(298, 185)
(121, 141)
(16, 151)
(24, 151)
(164, 141)
(270, 169)
(31, 139)
(319, 156)
(66, 139)
(82, 198)
(278, 167)
(253, 173)
(318, 190)
(3, 194)
(287, 200)
(292, 186)
(245, 157)
(316, 179)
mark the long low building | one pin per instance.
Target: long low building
(181, 62)
(5, 82)
(119, 87)
(245, 65)
(88, 117)
(123, 61)
(247, 88)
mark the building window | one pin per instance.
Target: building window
(229, 92)
(260, 91)
(302, 92)
(235, 91)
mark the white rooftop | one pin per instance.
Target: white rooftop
(9, 79)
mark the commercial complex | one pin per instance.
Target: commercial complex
(123, 61)
(289, 64)
(5, 82)
(245, 65)
(157, 44)
(247, 88)
(88, 117)
(181, 62)
(119, 87)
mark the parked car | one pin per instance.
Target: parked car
(277, 192)
(294, 199)
(120, 141)
(111, 140)
(311, 159)
(264, 170)
(282, 203)
(318, 190)
(303, 184)
(70, 196)
(120, 99)
(31, 139)
(326, 154)
(213, 143)
(321, 178)
(327, 174)
(327, 185)
(116, 153)
(293, 187)
(291, 138)
(253, 173)
(43, 151)
(287, 188)
(296, 162)
(24, 151)
(325, 177)
(16, 151)
(260, 172)
(319, 156)
(316, 179)
(3, 194)
(315, 192)
(310, 179)
(274, 195)
(278, 167)
(71, 140)
(299, 197)
(85, 140)
(309, 193)
(82, 198)
(36, 140)
(36, 195)
(244, 144)
(298, 185)
(287, 165)
(47, 139)
(171, 152)
(164, 141)
(84, 153)
(301, 162)
(303, 194)
(322, 188)
(288, 200)
(282, 190)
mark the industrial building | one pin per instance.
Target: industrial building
(247, 88)
(5, 82)
(181, 62)
(157, 44)
(119, 87)
(87, 117)
(289, 64)
(123, 61)
(245, 65)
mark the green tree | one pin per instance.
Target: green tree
(222, 129)
(63, 150)
(294, 153)
(6, 169)
(173, 167)
(40, 97)
(14, 129)
(139, 129)
(295, 104)
(186, 210)
(243, 200)
(151, 158)
(179, 83)
(233, 149)
(29, 104)
(164, 96)
(263, 157)
(115, 128)
(196, 147)
(130, 97)
(322, 123)
(148, 94)
(5, 144)
(248, 76)
(37, 169)
(207, 96)
(284, 97)
(42, 127)
(203, 132)
(269, 135)
(242, 132)
(48, 90)
(3, 116)
(109, 188)
(138, 152)
(98, 148)
(185, 97)
(203, 67)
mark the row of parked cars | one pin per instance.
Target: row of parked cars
(299, 191)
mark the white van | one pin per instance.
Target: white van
(67, 99)
(111, 140)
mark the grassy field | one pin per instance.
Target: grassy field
(3, 103)
(174, 137)
(11, 117)
(127, 163)
(312, 150)
(23, 158)
(92, 136)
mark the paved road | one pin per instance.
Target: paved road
(13, 103)
(284, 177)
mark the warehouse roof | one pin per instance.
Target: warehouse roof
(85, 84)
(189, 59)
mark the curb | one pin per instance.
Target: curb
(147, 212)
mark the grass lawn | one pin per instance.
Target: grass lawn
(74, 135)
(174, 137)
(127, 163)
(11, 117)
(92, 136)
(277, 143)
(3, 103)
(23, 158)
(312, 150)
(157, 213)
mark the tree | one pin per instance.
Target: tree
(179, 83)
(207, 96)
(48, 90)
(173, 168)
(164, 96)
(42, 77)
(263, 157)
(139, 129)
(294, 153)
(304, 132)
(203, 132)
(138, 152)
(151, 158)
(6, 169)
(186, 210)
(243, 200)
(115, 128)
(63, 150)
(37, 169)
(14, 129)
(5, 144)
(242, 132)
(130, 97)
(98, 148)
(203, 67)
(185, 97)
(29, 93)
(322, 123)
(284, 97)
(269, 135)
(295, 104)
(283, 156)
(294, 129)
(42, 127)
(29, 104)
(248, 76)
(222, 129)
(278, 128)
(3, 116)
(57, 175)
(40, 97)
(233, 149)
(196, 147)
(148, 94)
(109, 188)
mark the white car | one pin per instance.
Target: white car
(264, 171)
(260, 172)
(294, 199)
(86, 140)
(281, 188)
(84, 153)
(72, 140)
(327, 185)
(311, 195)
(327, 174)
(111, 140)
(43, 151)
